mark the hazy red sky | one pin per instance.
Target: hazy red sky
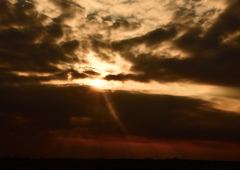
(120, 78)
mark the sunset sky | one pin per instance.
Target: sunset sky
(120, 79)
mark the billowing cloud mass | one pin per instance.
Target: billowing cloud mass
(120, 78)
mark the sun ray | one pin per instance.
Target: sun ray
(113, 111)
(100, 85)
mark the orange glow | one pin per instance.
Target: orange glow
(97, 83)
(115, 65)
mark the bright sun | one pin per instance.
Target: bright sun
(97, 83)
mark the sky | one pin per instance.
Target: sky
(120, 79)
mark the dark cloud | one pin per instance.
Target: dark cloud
(92, 73)
(51, 107)
(70, 46)
(129, 1)
(210, 59)
(125, 24)
(98, 45)
(151, 38)
(79, 112)
(68, 74)
(125, 77)
(156, 116)
(31, 114)
(188, 14)
(68, 10)
(167, 117)
(150, 68)
(8, 77)
(26, 44)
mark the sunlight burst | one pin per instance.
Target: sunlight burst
(97, 83)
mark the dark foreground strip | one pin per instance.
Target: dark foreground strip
(114, 164)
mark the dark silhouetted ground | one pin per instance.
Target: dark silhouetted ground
(115, 164)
